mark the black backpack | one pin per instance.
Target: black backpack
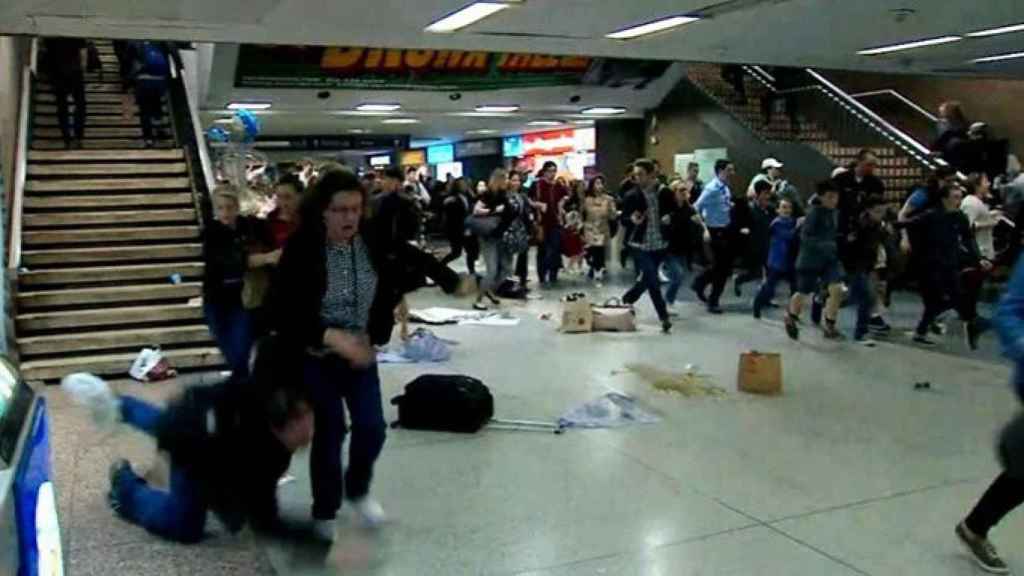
(446, 403)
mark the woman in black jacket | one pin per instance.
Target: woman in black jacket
(229, 244)
(457, 207)
(335, 295)
(495, 204)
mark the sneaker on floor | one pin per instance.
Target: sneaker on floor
(117, 473)
(923, 340)
(666, 327)
(878, 325)
(370, 512)
(832, 333)
(983, 552)
(325, 530)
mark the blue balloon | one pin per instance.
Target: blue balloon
(250, 122)
(217, 134)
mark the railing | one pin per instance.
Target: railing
(189, 134)
(21, 160)
(871, 121)
(900, 97)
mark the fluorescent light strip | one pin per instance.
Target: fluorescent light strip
(497, 109)
(910, 45)
(603, 111)
(400, 121)
(997, 31)
(651, 27)
(482, 131)
(544, 123)
(998, 58)
(357, 131)
(378, 107)
(249, 106)
(465, 16)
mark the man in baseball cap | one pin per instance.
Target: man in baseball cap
(771, 172)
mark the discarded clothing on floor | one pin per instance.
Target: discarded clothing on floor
(440, 316)
(422, 346)
(612, 410)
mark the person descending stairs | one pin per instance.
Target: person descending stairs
(111, 259)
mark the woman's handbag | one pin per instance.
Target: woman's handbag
(516, 238)
(482, 226)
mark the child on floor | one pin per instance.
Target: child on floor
(781, 256)
(229, 444)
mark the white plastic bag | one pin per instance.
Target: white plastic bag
(93, 393)
(150, 365)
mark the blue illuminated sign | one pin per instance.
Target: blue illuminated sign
(513, 146)
(440, 154)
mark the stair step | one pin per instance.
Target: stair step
(90, 98)
(105, 169)
(109, 235)
(99, 121)
(100, 155)
(117, 364)
(35, 322)
(94, 132)
(126, 217)
(90, 88)
(187, 270)
(95, 109)
(108, 201)
(105, 144)
(36, 258)
(101, 184)
(79, 296)
(114, 339)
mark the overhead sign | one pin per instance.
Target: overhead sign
(477, 148)
(360, 68)
(440, 154)
(512, 146)
(413, 158)
(380, 160)
(368, 142)
(559, 142)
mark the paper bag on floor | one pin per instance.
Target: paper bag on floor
(614, 316)
(760, 373)
(577, 317)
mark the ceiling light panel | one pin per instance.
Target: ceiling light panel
(649, 28)
(465, 16)
(497, 108)
(400, 121)
(997, 31)
(998, 58)
(371, 107)
(545, 123)
(603, 111)
(249, 106)
(910, 45)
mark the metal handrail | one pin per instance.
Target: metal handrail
(889, 92)
(21, 163)
(918, 150)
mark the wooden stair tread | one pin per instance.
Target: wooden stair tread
(116, 364)
(97, 121)
(91, 109)
(100, 144)
(96, 235)
(94, 132)
(139, 293)
(100, 201)
(44, 257)
(108, 316)
(90, 98)
(112, 339)
(90, 88)
(120, 217)
(94, 155)
(105, 169)
(110, 273)
(64, 185)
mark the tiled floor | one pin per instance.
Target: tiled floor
(851, 471)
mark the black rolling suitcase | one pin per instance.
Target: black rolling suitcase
(445, 403)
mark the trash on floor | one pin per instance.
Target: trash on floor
(689, 384)
(151, 365)
(760, 373)
(611, 410)
(922, 385)
(439, 316)
(421, 346)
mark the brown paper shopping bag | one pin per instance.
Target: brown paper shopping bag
(577, 317)
(760, 373)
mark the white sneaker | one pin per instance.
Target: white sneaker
(673, 310)
(370, 511)
(93, 393)
(324, 530)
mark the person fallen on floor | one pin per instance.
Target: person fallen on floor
(229, 445)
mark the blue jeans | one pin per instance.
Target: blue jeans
(647, 264)
(767, 291)
(333, 385)
(549, 256)
(862, 292)
(231, 326)
(675, 267)
(178, 514)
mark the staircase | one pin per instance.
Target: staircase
(839, 140)
(112, 257)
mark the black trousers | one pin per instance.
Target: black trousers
(721, 266)
(1002, 496)
(460, 242)
(523, 267)
(149, 93)
(941, 290)
(73, 87)
(596, 256)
